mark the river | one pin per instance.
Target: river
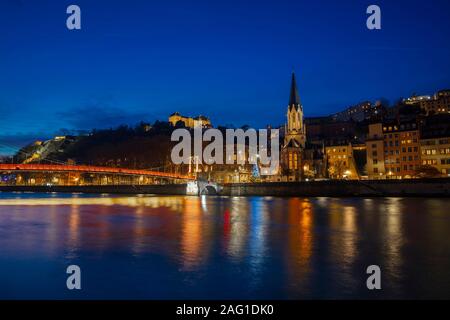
(164, 247)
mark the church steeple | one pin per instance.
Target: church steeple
(292, 151)
(295, 130)
(294, 98)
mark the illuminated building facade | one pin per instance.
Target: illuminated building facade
(314, 162)
(375, 151)
(435, 152)
(189, 122)
(438, 104)
(416, 99)
(435, 143)
(408, 137)
(394, 151)
(340, 162)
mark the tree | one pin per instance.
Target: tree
(427, 171)
(180, 124)
(337, 170)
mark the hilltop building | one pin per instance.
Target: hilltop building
(439, 103)
(358, 113)
(189, 122)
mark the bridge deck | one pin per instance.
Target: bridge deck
(89, 169)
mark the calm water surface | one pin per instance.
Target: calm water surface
(161, 247)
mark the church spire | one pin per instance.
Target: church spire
(294, 98)
(295, 129)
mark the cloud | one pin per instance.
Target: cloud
(11, 143)
(98, 115)
(101, 115)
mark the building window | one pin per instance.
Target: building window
(290, 161)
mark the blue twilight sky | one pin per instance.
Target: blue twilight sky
(230, 60)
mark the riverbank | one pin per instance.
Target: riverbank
(341, 188)
(332, 188)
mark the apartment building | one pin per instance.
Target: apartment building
(393, 150)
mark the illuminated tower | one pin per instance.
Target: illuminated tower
(295, 129)
(294, 136)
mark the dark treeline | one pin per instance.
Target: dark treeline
(142, 147)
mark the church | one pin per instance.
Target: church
(293, 146)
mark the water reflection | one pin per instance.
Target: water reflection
(393, 238)
(74, 231)
(175, 203)
(229, 247)
(257, 239)
(344, 236)
(192, 234)
(139, 232)
(239, 228)
(300, 239)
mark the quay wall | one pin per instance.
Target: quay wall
(366, 188)
(340, 188)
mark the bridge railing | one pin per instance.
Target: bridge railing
(90, 169)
